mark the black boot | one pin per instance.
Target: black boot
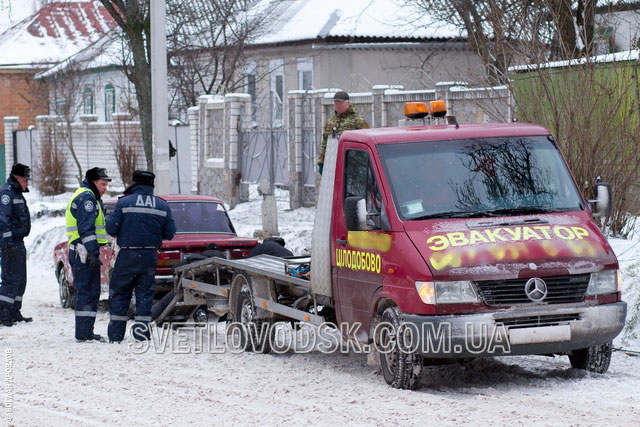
(93, 337)
(6, 323)
(20, 318)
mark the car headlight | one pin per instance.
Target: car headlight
(605, 282)
(447, 292)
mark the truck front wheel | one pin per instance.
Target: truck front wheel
(594, 359)
(400, 368)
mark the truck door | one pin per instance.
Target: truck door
(358, 265)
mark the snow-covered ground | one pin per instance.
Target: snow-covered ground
(51, 380)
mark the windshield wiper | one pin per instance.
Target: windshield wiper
(454, 214)
(523, 210)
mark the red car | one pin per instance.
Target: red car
(200, 221)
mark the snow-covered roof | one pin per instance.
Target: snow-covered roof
(108, 51)
(296, 20)
(55, 32)
(627, 55)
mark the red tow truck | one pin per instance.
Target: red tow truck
(435, 243)
(200, 221)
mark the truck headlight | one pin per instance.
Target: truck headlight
(447, 292)
(605, 282)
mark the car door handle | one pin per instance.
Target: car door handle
(341, 241)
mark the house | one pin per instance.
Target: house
(36, 43)
(617, 26)
(352, 45)
(91, 82)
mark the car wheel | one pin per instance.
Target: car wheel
(66, 292)
(400, 368)
(593, 359)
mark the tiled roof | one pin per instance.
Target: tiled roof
(55, 32)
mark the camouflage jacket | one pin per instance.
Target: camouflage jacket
(338, 123)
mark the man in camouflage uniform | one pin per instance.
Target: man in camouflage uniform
(346, 117)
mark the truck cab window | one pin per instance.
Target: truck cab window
(360, 181)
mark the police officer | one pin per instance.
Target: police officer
(140, 221)
(15, 224)
(86, 230)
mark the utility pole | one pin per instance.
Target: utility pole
(159, 112)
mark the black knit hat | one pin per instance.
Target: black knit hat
(95, 174)
(341, 96)
(143, 177)
(21, 170)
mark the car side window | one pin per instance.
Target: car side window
(360, 181)
(109, 208)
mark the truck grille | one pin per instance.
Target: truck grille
(560, 289)
(535, 321)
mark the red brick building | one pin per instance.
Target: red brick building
(52, 34)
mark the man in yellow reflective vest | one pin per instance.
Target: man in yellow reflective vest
(86, 230)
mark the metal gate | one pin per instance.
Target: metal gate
(24, 145)
(180, 164)
(308, 158)
(265, 154)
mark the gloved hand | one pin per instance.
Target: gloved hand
(320, 167)
(93, 262)
(10, 252)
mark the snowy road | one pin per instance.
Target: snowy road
(55, 381)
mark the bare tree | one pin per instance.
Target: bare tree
(66, 90)
(133, 17)
(206, 43)
(125, 139)
(507, 32)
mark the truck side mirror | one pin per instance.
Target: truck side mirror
(602, 204)
(355, 213)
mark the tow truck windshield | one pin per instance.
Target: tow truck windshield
(481, 177)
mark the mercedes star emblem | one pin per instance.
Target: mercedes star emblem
(536, 289)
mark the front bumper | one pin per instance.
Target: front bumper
(518, 331)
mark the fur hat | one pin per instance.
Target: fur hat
(95, 174)
(143, 177)
(21, 170)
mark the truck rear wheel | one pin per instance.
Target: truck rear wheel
(67, 294)
(401, 369)
(593, 359)
(254, 332)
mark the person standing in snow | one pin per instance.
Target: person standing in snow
(15, 225)
(86, 230)
(346, 117)
(140, 221)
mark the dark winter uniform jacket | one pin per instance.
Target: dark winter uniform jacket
(141, 220)
(15, 221)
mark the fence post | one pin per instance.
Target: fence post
(10, 125)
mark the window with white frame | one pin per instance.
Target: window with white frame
(109, 102)
(87, 101)
(249, 71)
(276, 69)
(305, 73)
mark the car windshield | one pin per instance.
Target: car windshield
(478, 178)
(200, 217)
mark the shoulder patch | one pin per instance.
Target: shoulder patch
(88, 206)
(5, 199)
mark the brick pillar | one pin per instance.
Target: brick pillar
(296, 183)
(237, 105)
(194, 132)
(10, 125)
